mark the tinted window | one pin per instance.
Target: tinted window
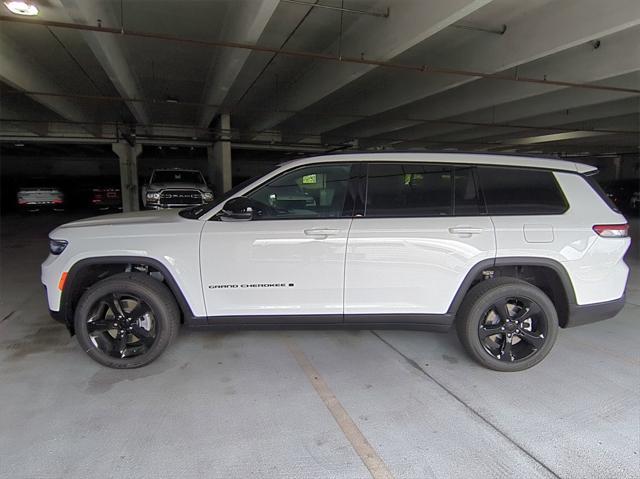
(317, 191)
(607, 194)
(516, 191)
(177, 176)
(411, 189)
(466, 199)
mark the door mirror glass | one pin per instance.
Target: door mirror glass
(237, 209)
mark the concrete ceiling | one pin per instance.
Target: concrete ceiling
(159, 68)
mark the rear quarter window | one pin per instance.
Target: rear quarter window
(520, 191)
(595, 186)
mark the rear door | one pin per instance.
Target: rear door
(423, 228)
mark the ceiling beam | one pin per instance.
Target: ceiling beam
(108, 51)
(585, 118)
(519, 109)
(489, 100)
(553, 28)
(23, 74)
(379, 38)
(245, 22)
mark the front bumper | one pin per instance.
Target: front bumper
(155, 206)
(590, 313)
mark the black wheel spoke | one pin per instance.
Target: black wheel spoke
(490, 330)
(140, 310)
(99, 325)
(105, 342)
(532, 310)
(505, 350)
(501, 309)
(535, 340)
(122, 344)
(114, 304)
(142, 334)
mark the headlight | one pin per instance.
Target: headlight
(57, 246)
(207, 196)
(153, 196)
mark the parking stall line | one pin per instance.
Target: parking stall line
(376, 466)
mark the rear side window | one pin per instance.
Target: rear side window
(517, 191)
(421, 190)
(466, 200)
(409, 189)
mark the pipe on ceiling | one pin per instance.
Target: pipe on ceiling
(340, 9)
(423, 69)
(468, 26)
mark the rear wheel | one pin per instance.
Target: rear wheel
(126, 321)
(507, 324)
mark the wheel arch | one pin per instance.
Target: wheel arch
(545, 273)
(88, 271)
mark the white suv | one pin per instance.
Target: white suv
(507, 249)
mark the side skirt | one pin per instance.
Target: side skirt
(422, 322)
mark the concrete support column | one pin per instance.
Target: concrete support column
(219, 158)
(617, 167)
(128, 156)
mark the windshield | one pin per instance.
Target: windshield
(177, 176)
(195, 212)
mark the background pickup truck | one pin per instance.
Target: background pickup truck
(175, 188)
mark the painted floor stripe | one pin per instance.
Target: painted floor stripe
(363, 448)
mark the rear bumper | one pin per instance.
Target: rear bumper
(43, 206)
(590, 313)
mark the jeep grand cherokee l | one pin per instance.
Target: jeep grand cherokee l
(505, 249)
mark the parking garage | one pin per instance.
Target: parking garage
(117, 107)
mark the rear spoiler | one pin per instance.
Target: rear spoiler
(586, 170)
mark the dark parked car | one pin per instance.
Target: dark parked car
(106, 198)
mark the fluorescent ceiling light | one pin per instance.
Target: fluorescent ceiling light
(22, 8)
(570, 135)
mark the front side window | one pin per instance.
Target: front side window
(316, 191)
(518, 191)
(409, 189)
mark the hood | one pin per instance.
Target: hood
(136, 218)
(177, 186)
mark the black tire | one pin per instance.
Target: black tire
(486, 334)
(160, 310)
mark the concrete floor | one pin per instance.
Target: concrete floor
(250, 404)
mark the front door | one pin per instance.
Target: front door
(422, 230)
(289, 260)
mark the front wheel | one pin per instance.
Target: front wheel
(507, 324)
(126, 321)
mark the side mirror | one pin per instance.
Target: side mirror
(237, 209)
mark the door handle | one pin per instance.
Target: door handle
(465, 230)
(321, 232)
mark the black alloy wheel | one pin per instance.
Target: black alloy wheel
(126, 320)
(507, 324)
(122, 325)
(513, 329)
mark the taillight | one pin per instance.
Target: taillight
(612, 231)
